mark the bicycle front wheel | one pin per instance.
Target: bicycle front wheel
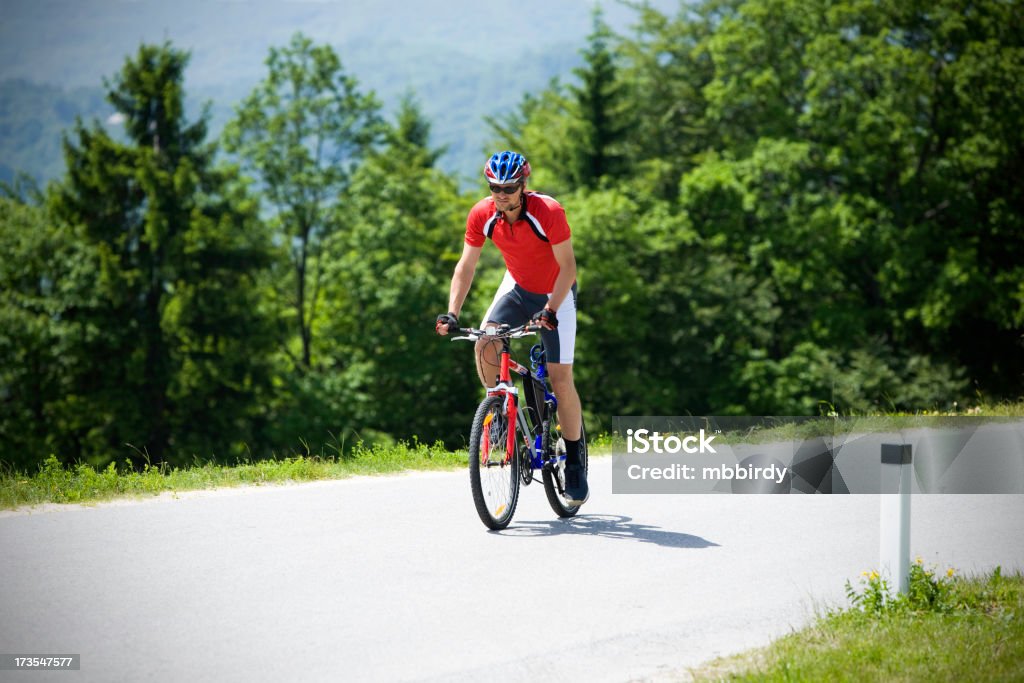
(493, 471)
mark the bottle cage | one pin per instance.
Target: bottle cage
(536, 355)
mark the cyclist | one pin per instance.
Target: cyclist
(531, 232)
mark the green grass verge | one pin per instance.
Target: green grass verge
(946, 628)
(56, 483)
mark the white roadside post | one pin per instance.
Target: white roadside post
(894, 546)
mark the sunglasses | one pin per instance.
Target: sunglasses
(507, 189)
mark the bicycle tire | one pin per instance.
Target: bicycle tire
(495, 486)
(555, 479)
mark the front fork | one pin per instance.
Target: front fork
(515, 419)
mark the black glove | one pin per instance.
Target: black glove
(546, 318)
(449, 319)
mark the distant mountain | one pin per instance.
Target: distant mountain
(32, 117)
(464, 59)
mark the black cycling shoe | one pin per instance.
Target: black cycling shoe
(576, 489)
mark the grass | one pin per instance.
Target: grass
(57, 483)
(946, 628)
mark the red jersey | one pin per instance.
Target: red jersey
(526, 244)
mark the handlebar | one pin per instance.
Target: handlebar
(495, 331)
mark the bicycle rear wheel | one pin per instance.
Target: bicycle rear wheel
(554, 477)
(493, 471)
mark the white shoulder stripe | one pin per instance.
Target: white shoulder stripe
(535, 225)
(489, 226)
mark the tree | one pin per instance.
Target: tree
(573, 135)
(911, 113)
(301, 133)
(696, 313)
(165, 341)
(599, 127)
(411, 134)
(539, 128)
(844, 173)
(389, 274)
(34, 249)
(664, 70)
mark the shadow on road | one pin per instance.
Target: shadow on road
(608, 526)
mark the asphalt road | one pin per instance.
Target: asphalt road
(395, 579)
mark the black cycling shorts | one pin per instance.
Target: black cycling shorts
(513, 305)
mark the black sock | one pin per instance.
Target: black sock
(572, 451)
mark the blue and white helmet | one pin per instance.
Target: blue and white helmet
(506, 167)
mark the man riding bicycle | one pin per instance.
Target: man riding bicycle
(531, 232)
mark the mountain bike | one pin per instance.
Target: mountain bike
(510, 441)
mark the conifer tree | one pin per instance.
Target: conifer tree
(167, 342)
(600, 124)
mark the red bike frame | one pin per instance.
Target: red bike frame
(505, 388)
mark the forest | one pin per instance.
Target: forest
(777, 207)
